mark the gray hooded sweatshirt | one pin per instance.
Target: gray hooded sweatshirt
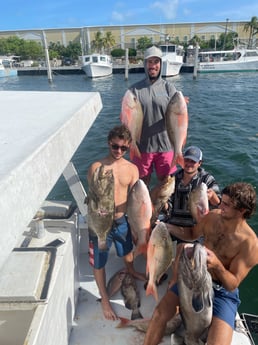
(154, 98)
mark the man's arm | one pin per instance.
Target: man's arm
(239, 267)
(184, 233)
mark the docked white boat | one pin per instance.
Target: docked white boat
(48, 294)
(97, 65)
(236, 60)
(172, 59)
(7, 71)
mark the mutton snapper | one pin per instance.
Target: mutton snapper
(101, 204)
(131, 296)
(159, 257)
(198, 201)
(132, 116)
(195, 292)
(139, 212)
(115, 282)
(160, 195)
(176, 118)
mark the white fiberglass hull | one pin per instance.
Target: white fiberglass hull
(228, 66)
(93, 70)
(170, 68)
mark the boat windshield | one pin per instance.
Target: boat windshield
(168, 48)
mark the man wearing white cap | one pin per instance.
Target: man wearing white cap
(154, 94)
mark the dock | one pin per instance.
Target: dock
(67, 70)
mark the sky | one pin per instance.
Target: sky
(47, 14)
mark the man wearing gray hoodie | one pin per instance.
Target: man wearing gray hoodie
(154, 94)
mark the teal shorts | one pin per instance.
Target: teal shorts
(120, 235)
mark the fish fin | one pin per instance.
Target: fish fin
(142, 249)
(136, 314)
(124, 322)
(152, 290)
(197, 302)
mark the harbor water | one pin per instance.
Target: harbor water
(222, 122)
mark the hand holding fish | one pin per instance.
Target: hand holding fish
(212, 260)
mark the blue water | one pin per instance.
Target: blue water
(222, 122)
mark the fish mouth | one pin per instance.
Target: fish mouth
(192, 254)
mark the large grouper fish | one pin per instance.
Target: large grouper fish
(101, 204)
(195, 292)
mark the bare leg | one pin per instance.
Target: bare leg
(164, 311)
(219, 333)
(100, 277)
(129, 265)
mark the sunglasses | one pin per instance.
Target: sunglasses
(116, 147)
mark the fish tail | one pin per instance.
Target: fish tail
(102, 245)
(152, 290)
(141, 249)
(136, 314)
(134, 151)
(124, 322)
(178, 159)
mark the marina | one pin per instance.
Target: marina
(72, 137)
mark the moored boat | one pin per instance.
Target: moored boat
(7, 71)
(172, 59)
(236, 60)
(97, 65)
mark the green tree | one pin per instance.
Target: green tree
(98, 43)
(31, 50)
(143, 43)
(252, 27)
(108, 41)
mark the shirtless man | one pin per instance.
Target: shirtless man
(232, 248)
(125, 175)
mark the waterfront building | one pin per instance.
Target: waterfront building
(126, 36)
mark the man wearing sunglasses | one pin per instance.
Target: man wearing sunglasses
(125, 175)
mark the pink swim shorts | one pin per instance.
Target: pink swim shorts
(160, 161)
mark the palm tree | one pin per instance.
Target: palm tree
(252, 27)
(109, 40)
(97, 43)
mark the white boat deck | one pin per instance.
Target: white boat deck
(39, 133)
(90, 326)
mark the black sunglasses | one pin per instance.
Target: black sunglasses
(116, 147)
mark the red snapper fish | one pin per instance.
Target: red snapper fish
(159, 257)
(132, 116)
(198, 201)
(139, 212)
(176, 118)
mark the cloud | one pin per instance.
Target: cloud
(117, 16)
(168, 8)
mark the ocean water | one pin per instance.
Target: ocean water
(223, 112)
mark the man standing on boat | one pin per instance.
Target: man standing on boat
(125, 175)
(232, 251)
(154, 95)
